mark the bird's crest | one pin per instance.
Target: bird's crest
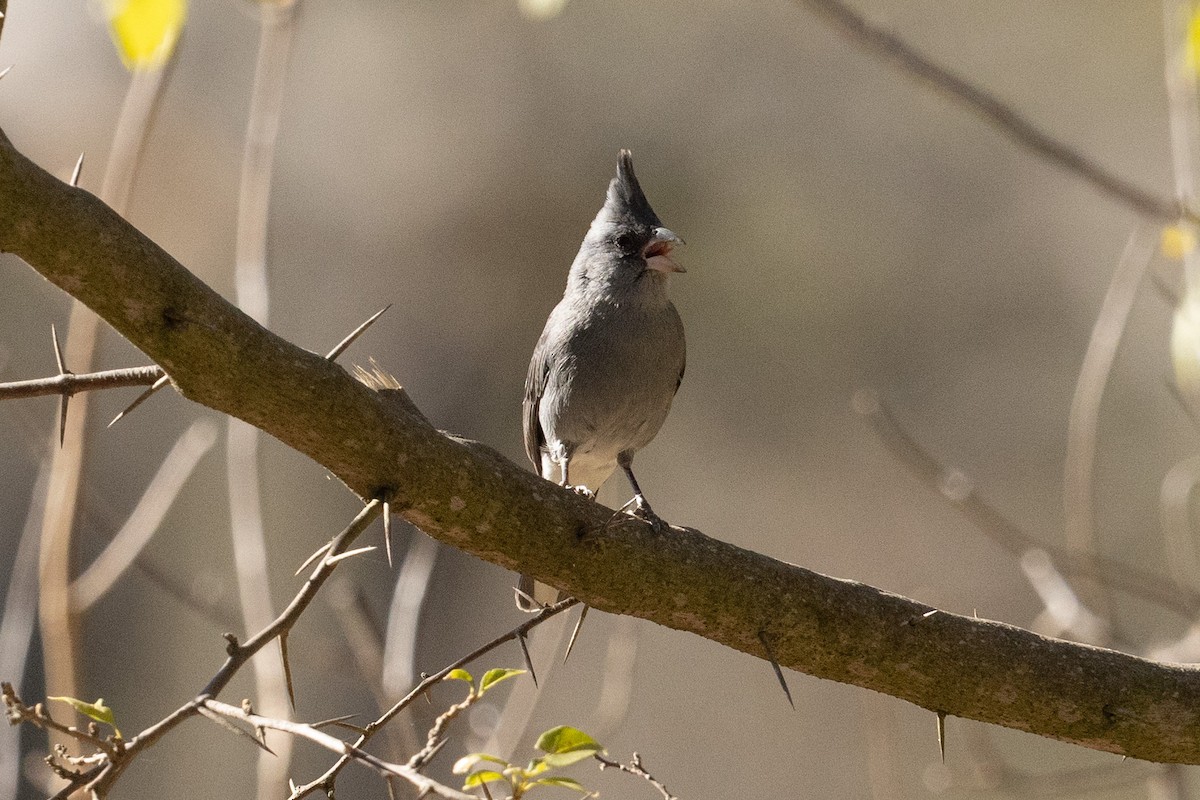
(626, 201)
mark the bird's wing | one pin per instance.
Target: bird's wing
(683, 343)
(535, 387)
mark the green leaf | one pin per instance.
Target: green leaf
(459, 675)
(569, 757)
(468, 762)
(536, 767)
(145, 31)
(494, 676)
(565, 739)
(483, 776)
(559, 780)
(97, 711)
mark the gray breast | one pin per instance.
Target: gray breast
(611, 384)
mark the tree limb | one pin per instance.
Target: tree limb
(469, 496)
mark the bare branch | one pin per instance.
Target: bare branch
(1004, 117)
(68, 384)
(635, 767)
(37, 715)
(336, 745)
(239, 654)
(956, 488)
(325, 782)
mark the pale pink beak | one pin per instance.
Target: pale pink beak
(658, 252)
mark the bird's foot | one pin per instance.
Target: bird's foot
(581, 490)
(639, 508)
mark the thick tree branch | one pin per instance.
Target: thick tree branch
(469, 496)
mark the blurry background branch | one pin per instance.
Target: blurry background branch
(999, 114)
(467, 495)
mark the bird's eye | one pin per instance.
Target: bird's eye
(626, 241)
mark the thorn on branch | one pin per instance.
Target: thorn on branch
(320, 552)
(287, 668)
(141, 398)
(920, 618)
(354, 334)
(232, 647)
(941, 731)
(575, 633)
(65, 397)
(387, 528)
(766, 643)
(229, 726)
(78, 167)
(528, 659)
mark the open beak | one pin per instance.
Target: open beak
(658, 252)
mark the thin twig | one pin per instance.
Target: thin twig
(955, 488)
(68, 383)
(38, 716)
(336, 745)
(1003, 116)
(239, 654)
(325, 781)
(635, 767)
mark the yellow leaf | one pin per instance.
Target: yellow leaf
(1192, 52)
(97, 711)
(1177, 242)
(145, 31)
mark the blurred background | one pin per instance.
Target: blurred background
(848, 230)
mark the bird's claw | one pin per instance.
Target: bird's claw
(582, 490)
(639, 508)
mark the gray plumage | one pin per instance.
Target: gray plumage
(611, 356)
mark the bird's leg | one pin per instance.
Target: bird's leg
(583, 490)
(640, 506)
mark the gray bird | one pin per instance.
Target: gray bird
(611, 356)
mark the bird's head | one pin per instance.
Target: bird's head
(627, 237)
